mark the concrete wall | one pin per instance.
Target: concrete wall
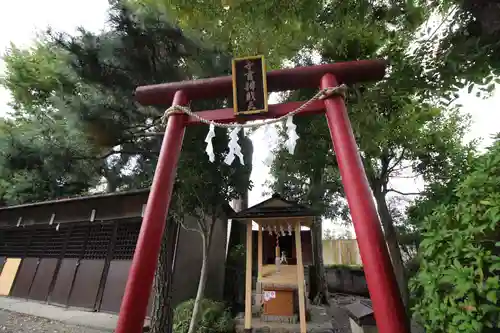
(338, 254)
(349, 280)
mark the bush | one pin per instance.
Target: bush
(457, 286)
(214, 317)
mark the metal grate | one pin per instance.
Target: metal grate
(76, 241)
(55, 247)
(2, 240)
(126, 240)
(98, 242)
(13, 242)
(41, 237)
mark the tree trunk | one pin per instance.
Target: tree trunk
(378, 185)
(321, 295)
(391, 239)
(201, 285)
(234, 286)
(161, 316)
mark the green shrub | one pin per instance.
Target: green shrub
(456, 289)
(213, 317)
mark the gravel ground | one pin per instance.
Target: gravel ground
(11, 322)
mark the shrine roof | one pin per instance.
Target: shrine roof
(274, 207)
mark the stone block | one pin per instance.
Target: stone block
(355, 328)
(361, 317)
(280, 319)
(346, 280)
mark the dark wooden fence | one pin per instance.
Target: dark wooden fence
(80, 265)
(77, 252)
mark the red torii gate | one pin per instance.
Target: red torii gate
(388, 307)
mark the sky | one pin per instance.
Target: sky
(21, 20)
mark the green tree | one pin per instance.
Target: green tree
(457, 285)
(43, 158)
(94, 85)
(440, 188)
(460, 48)
(238, 26)
(34, 75)
(44, 152)
(289, 27)
(398, 132)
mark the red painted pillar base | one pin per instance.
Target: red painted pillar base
(389, 310)
(140, 279)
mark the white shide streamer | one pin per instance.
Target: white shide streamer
(234, 147)
(291, 131)
(208, 140)
(270, 230)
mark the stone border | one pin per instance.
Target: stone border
(280, 319)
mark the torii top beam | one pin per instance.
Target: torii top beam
(278, 80)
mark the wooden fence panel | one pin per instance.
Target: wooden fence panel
(341, 252)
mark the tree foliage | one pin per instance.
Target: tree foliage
(442, 183)
(45, 154)
(461, 47)
(87, 80)
(34, 75)
(289, 27)
(457, 285)
(400, 131)
(42, 158)
(214, 317)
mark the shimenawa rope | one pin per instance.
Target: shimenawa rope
(322, 94)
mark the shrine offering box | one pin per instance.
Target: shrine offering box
(280, 302)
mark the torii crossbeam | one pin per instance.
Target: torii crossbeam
(388, 307)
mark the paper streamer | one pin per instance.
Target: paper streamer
(291, 132)
(208, 140)
(234, 148)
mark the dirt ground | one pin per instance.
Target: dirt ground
(11, 322)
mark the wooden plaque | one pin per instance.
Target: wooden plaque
(249, 85)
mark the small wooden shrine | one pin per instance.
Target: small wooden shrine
(280, 287)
